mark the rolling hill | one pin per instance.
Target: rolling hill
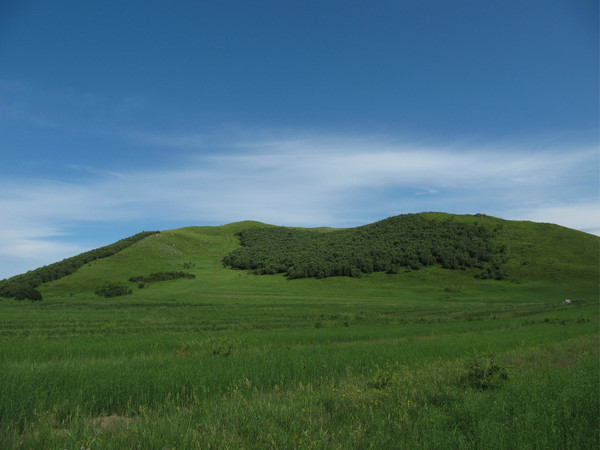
(403, 252)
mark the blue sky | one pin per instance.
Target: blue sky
(118, 117)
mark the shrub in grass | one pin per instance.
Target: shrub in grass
(381, 379)
(483, 372)
(20, 291)
(27, 293)
(113, 290)
(161, 276)
(394, 269)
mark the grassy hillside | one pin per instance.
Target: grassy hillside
(538, 258)
(541, 251)
(429, 358)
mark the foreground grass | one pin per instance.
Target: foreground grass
(344, 379)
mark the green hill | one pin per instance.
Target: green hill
(423, 252)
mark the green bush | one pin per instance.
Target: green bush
(161, 276)
(483, 372)
(113, 290)
(19, 291)
(27, 293)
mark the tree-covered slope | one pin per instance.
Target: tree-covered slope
(23, 286)
(406, 241)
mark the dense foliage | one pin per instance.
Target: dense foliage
(23, 286)
(27, 293)
(409, 241)
(161, 276)
(113, 290)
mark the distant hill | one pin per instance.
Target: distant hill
(418, 250)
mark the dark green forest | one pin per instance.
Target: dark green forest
(23, 286)
(405, 242)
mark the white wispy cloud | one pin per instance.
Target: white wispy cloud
(92, 170)
(583, 215)
(298, 179)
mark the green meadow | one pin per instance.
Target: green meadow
(429, 358)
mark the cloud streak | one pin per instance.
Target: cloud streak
(301, 180)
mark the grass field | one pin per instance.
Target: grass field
(422, 359)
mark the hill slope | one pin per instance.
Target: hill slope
(23, 286)
(536, 257)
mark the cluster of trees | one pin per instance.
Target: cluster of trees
(113, 290)
(405, 241)
(27, 293)
(161, 276)
(23, 286)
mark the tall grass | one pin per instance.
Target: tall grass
(366, 383)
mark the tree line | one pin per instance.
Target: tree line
(23, 286)
(406, 241)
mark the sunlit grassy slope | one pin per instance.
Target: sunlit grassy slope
(543, 260)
